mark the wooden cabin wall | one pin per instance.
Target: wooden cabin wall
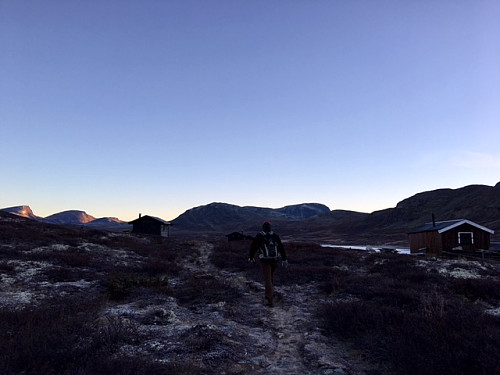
(147, 227)
(481, 238)
(429, 240)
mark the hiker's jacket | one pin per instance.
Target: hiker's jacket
(258, 244)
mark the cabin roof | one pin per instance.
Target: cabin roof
(150, 217)
(443, 226)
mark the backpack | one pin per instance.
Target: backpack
(269, 247)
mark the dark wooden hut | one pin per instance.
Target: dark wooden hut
(151, 225)
(439, 236)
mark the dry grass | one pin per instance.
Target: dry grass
(398, 313)
(401, 315)
(415, 321)
(66, 333)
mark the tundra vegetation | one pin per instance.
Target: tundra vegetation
(79, 301)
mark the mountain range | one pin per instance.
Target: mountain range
(71, 217)
(223, 217)
(314, 221)
(478, 203)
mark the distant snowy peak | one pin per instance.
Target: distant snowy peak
(24, 211)
(106, 221)
(72, 217)
(304, 210)
(109, 220)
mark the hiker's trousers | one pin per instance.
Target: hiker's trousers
(268, 268)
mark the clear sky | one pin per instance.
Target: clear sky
(154, 107)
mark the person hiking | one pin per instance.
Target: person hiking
(270, 249)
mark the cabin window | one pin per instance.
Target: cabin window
(465, 238)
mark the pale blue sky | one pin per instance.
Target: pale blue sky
(121, 107)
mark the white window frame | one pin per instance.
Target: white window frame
(471, 237)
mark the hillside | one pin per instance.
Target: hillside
(315, 222)
(24, 211)
(72, 217)
(478, 203)
(225, 218)
(93, 302)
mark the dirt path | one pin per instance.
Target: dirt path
(284, 339)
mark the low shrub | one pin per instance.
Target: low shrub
(68, 336)
(70, 257)
(74, 258)
(160, 264)
(197, 291)
(121, 285)
(65, 274)
(137, 365)
(411, 321)
(336, 282)
(201, 338)
(47, 339)
(6, 266)
(485, 289)
(231, 256)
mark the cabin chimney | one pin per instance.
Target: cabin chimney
(433, 220)
(140, 215)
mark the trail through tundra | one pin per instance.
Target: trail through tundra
(285, 339)
(142, 305)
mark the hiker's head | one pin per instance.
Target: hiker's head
(266, 227)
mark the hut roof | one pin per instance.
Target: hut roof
(443, 226)
(151, 217)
